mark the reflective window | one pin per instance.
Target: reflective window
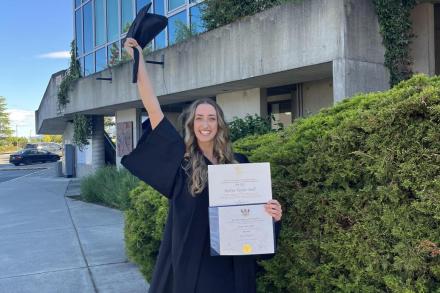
(113, 53)
(99, 22)
(101, 59)
(159, 7)
(81, 64)
(89, 64)
(160, 41)
(77, 3)
(173, 4)
(126, 15)
(196, 20)
(78, 29)
(112, 20)
(88, 27)
(140, 4)
(175, 25)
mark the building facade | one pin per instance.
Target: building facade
(101, 25)
(289, 61)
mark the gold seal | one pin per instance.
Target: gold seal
(247, 248)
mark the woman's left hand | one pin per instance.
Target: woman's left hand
(273, 207)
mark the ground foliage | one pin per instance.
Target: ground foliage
(109, 186)
(360, 185)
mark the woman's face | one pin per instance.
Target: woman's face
(205, 123)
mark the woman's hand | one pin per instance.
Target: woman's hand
(131, 43)
(273, 207)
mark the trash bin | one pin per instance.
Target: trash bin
(59, 169)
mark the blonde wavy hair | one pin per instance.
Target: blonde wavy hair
(196, 166)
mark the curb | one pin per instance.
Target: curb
(23, 169)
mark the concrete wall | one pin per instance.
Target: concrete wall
(240, 103)
(129, 115)
(317, 95)
(359, 67)
(423, 45)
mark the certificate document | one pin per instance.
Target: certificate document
(239, 224)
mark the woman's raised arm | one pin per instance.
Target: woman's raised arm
(146, 91)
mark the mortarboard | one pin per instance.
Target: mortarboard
(144, 28)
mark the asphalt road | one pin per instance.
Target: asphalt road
(9, 172)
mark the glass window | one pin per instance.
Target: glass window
(126, 15)
(89, 64)
(113, 54)
(88, 27)
(160, 41)
(101, 59)
(81, 64)
(99, 22)
(77, 3)
(173, 4)
(112, 20)
(78, 29)
(196, 20)
(159, 7)
(175, 24)
(140, 4)
(282, 113)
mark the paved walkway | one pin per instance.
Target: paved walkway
(51, 243)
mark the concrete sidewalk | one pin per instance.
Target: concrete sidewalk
(51, 243)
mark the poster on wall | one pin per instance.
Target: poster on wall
(124, 134)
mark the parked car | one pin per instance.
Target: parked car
(52, 147)
(29, 156)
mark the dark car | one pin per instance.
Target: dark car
(29, 156)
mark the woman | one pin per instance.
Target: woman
(177, 168)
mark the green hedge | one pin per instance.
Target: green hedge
(360, 185)
(109, 186)
(144, 223)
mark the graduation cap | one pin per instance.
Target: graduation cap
(144, 28)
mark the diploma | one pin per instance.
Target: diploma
(241, 230)
(234, 184)
(239, 224)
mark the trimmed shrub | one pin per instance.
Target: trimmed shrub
(109, 186)
(144, 223)
(360, 186)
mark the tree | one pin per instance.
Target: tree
(5, 129)
(52, 138)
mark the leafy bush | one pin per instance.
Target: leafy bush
(144, 223)
(109, 186)
(360, 185)
(217, 13)
(250, 125)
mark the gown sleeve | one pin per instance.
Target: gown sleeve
(157, 157)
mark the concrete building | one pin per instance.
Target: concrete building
(290, 61)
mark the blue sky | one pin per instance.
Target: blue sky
(33, 35)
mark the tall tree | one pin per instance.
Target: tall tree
(5, 129)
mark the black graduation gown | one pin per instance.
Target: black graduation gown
(184, 263)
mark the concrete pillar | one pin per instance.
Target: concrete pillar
(98, 152)
(240, 103)
(353, 76)
(129, 115)
(423, 45)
